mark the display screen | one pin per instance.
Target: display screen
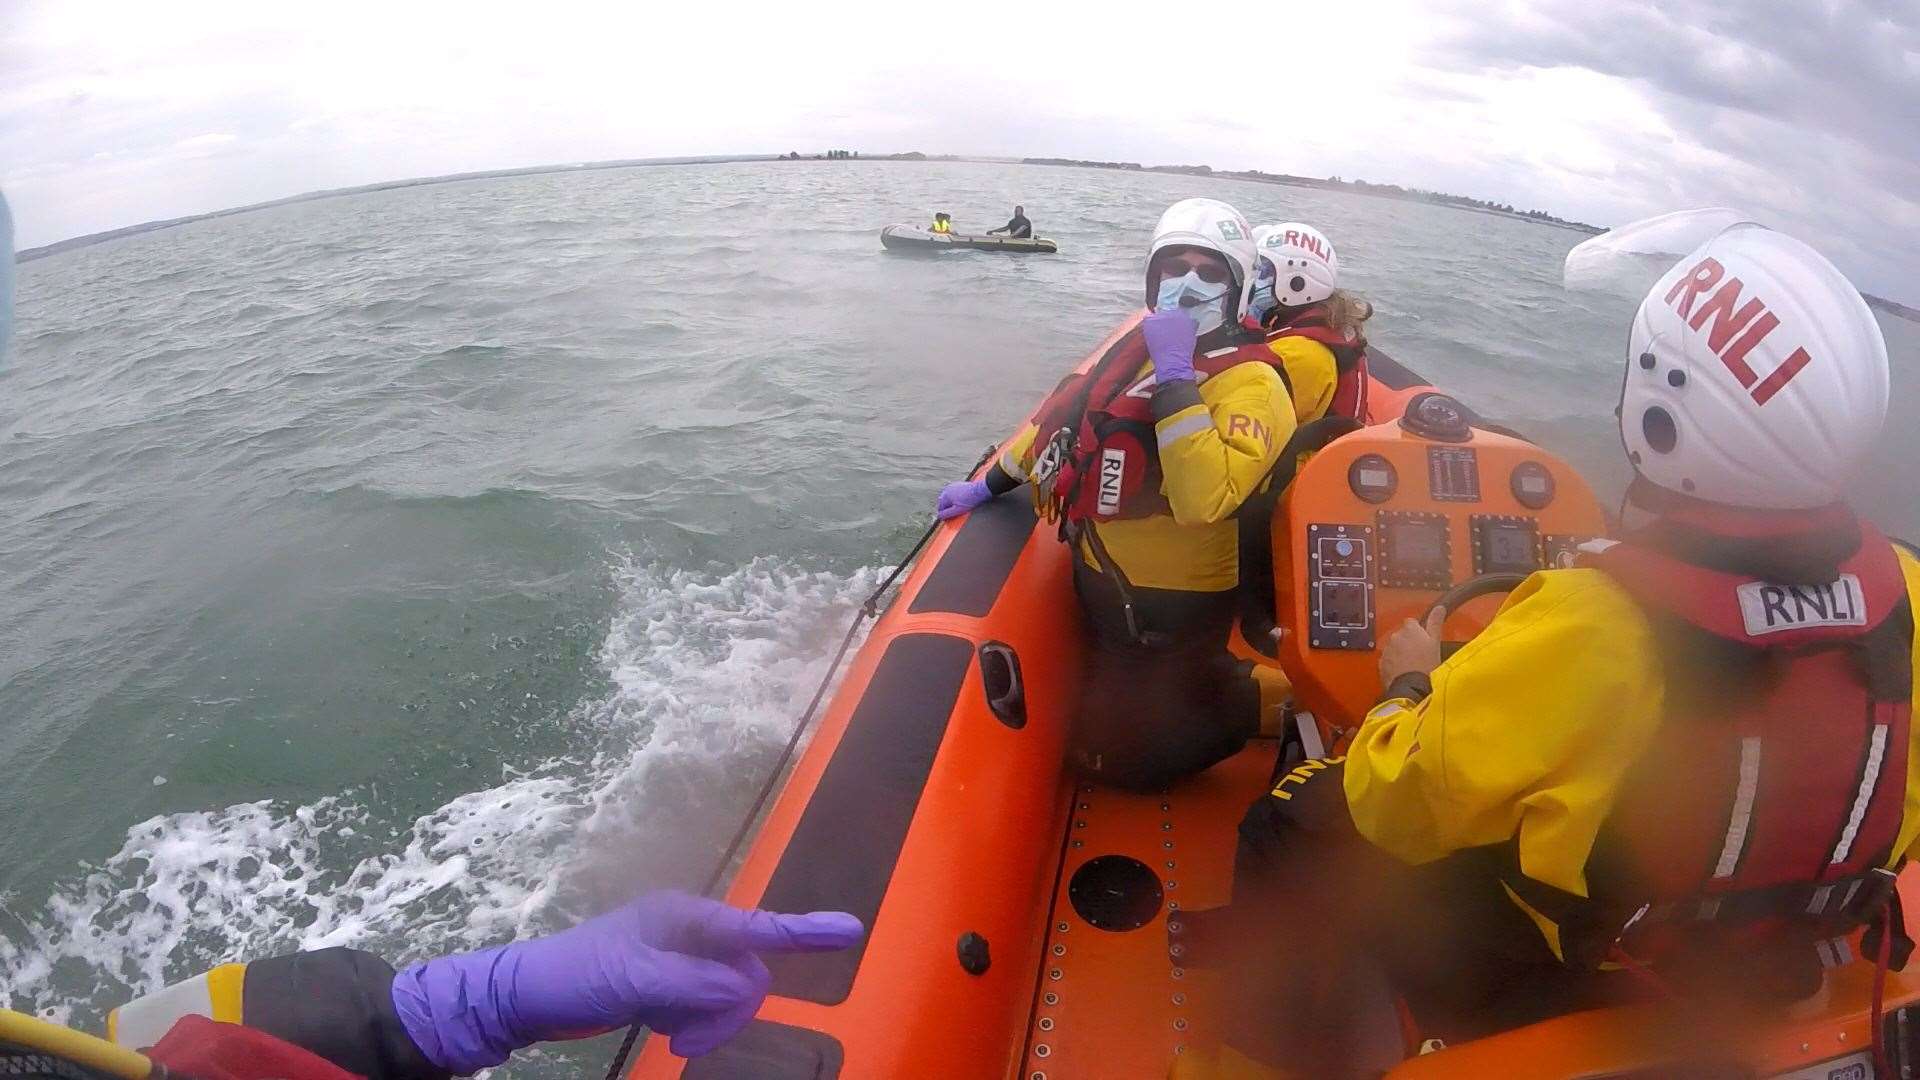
(1509, 548)
(1416, 546)
(1532, 485)
(1343, 605)
(1371, 477)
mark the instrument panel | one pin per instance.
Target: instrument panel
(1383, 520)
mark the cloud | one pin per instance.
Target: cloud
(1806, 115)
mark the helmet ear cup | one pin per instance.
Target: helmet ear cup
(1658, 428)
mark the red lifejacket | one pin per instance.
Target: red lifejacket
(1349, 358)
(209, 1050)
(1776, 789)
(1097, 457)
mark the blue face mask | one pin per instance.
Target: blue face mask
(1261, 301)
(1205, 303)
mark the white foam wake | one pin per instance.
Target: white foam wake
(707, 669)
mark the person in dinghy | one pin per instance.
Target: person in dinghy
(1145, 460)
(1682, 768)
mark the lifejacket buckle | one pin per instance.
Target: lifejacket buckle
(1047, 465)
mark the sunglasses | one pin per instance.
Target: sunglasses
(1209, 268)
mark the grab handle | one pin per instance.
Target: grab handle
(1000, 676)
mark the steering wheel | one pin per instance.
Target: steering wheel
(1484, 585)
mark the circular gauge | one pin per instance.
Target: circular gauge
(1532, 484)
(1372, 478)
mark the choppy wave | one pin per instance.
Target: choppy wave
(706, 668)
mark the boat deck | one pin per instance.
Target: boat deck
(1115, 1002)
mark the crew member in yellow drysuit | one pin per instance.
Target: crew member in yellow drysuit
(1693, 752)
(1175, 429)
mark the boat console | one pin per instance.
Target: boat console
(1385, 521)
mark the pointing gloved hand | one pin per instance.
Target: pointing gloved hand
(1170, 338)
(682, 965)
(961, 496)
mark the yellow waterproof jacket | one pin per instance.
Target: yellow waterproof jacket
(1530, 729)
(1214, 453)
(1312, 373)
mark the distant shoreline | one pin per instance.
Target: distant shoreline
(1356, 187)
(90, 239)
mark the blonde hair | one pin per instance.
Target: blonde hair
(1346, 312)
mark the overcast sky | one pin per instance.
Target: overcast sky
(1803, 113)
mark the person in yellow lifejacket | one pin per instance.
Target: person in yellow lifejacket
(686, 967)
(1691, 756)
(942, 223)
(1310, 322)
(1146, 459)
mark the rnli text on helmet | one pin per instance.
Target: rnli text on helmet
(1295, 238)
(1751, 321)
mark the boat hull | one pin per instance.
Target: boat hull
(912, 238)
(1025, 925)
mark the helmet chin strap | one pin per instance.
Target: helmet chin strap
(1634, 516)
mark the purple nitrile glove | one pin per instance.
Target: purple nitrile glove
(682, 965)
(1170, 336)
(961, 496)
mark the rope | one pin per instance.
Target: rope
(869, 608)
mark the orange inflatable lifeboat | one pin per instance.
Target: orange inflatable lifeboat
(1020, 918)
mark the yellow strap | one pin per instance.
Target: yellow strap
(74, 1046)
(1548, 928)
(224, 985)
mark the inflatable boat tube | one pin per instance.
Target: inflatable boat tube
(914, 238)
(1020, 919)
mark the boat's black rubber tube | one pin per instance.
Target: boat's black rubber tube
(1389, 372)
(770, 1051)
(843, 852)
(976, 565)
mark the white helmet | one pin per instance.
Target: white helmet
(1305, 268)
(1756, 376)
(1214, 226)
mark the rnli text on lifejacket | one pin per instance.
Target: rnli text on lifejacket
(1768, 608)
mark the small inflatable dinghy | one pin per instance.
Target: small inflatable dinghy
(1026, 924)
(915, 238)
